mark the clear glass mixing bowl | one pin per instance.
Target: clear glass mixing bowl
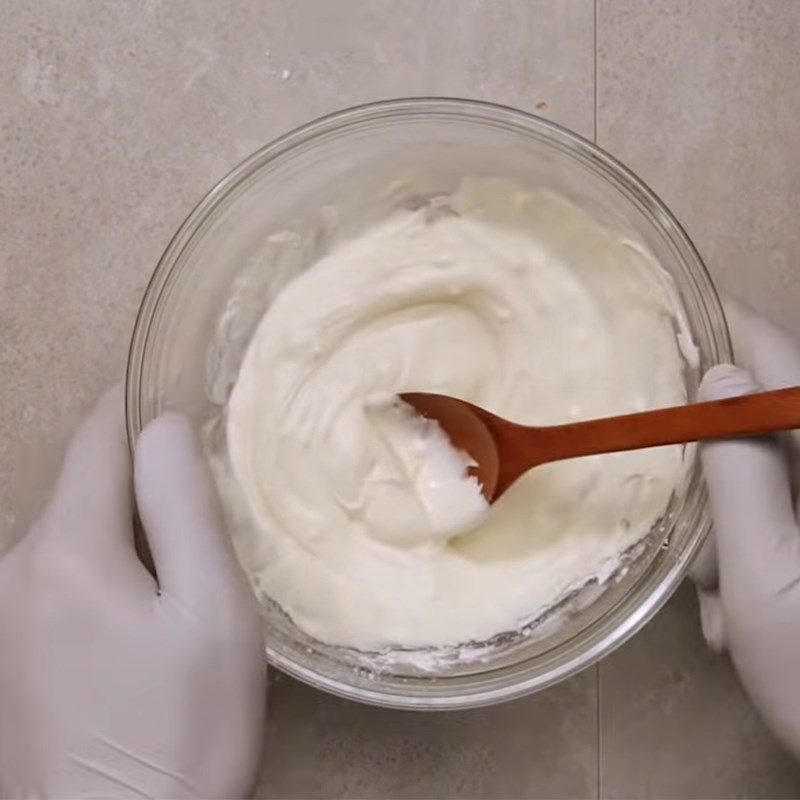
(274, 214)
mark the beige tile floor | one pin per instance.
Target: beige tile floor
(114, 120)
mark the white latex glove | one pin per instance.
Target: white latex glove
(749, 590)
(113, 685)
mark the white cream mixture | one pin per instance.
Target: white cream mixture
(433, 475)
(516, 301)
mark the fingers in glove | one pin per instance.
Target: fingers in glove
(178, 505)
(756, 532)
(92, 504)
(712, 620)
(704, 570)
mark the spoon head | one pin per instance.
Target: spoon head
(466, 430)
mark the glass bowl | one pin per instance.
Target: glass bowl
(274, 214)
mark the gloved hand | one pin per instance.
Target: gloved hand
(749, 590)
(113, 685)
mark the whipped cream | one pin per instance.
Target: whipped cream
(365, 524)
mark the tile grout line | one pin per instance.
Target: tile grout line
(594, 125)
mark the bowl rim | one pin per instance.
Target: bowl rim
(575, 146)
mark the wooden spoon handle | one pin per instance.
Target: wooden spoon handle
(747, 415)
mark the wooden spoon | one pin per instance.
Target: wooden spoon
(503, 450)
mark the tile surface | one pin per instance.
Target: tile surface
(540, 746)
(676, 723)
(702, 100)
